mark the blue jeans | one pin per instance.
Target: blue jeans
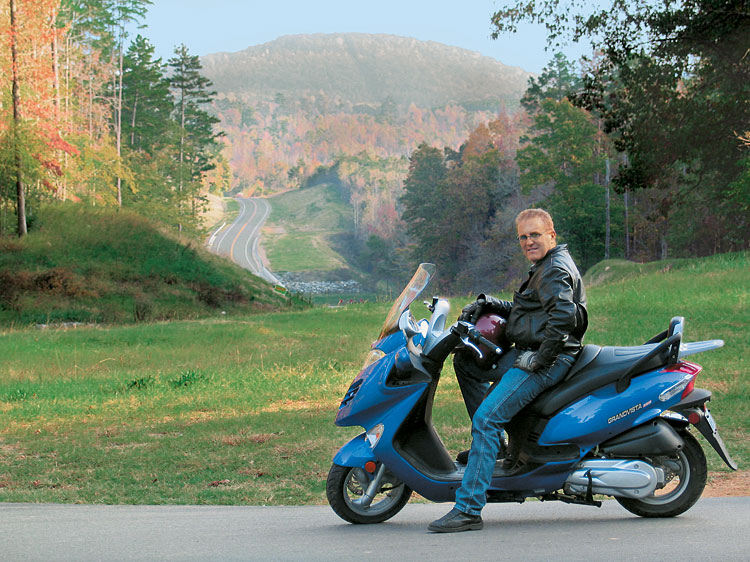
(516, 389)
(474, 381)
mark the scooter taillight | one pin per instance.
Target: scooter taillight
(690, 371)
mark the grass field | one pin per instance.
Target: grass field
(241, 411)
(298, 233)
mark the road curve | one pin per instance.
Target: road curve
(239, 240)
(713, 529)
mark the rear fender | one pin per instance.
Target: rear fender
(355, 453)
(693, 407)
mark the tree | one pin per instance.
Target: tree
(422, 200)
(29, 120)
(147, 101)
(565, 152)
(124, 12)
(557, 81)
(197, 138)
(16, 103)
(667, 91)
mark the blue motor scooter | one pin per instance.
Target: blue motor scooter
(618, 425)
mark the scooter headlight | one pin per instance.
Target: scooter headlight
(373, 435)
(374, 355)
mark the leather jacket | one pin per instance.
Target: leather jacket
(548, 312)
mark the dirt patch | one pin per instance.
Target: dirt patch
(723, 484)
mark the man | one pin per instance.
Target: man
(546, 323)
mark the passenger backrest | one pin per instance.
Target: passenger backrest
(585, 356)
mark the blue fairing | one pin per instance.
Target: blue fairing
(391, 343)
(606, 413)
(369, 398)
(355, 453)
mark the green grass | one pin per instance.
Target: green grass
(300, 229)
(240, 411)
(84, 264)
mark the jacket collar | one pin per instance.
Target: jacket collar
(556, 250)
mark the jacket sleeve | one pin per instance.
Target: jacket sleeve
(498, 306)
(556, 294)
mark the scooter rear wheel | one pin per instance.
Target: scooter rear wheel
(346, 487)
(686, 474)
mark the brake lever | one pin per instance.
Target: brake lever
(468, 343)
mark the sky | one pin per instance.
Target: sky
(211, 26)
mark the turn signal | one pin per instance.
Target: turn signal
(373, 435)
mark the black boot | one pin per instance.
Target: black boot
(455, 521)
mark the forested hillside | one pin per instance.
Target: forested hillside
(299, 102)
(360, 68)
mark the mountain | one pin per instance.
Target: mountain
(365, 68)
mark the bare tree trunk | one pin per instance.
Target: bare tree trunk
(607, 205)
(626, 196)
(58, 102)
(119, 128)
(182, 147)
(132, 122)
(20, 192)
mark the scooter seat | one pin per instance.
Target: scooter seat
(595, 367)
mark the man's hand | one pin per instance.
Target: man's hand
(528, 361)
(484, 304)
(472, 311)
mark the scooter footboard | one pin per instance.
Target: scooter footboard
(355, 453)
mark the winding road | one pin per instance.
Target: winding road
(239, 240)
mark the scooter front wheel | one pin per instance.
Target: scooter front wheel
(686, 474)
(347, 489)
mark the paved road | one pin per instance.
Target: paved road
(239, 240)
(714, 529)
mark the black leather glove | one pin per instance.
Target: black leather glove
(496, 306)
(472, 311)
(484, 304)
(527, 361)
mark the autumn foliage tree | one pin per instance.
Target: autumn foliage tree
(84, 113)
(30, 119)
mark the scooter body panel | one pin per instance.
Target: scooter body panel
(606, 413)
(355, 453)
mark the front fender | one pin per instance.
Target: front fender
(355, 453)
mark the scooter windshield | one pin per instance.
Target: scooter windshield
(411, 292)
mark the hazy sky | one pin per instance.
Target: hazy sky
(210, 26)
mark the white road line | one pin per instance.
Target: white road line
(236, 221)
(213, 236)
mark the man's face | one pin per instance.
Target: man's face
(536, 238)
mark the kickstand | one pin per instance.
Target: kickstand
(590, 491)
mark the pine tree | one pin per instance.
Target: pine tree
(124, 12)
(147, 101)
(197, 139)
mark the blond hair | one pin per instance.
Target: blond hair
(536, 214)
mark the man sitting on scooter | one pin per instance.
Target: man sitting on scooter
(546, 322)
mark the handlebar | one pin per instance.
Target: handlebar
(465, 330)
